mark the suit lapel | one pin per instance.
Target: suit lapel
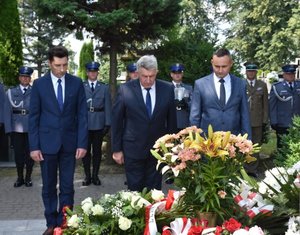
(211, 86)
(158, 98)
(139, 95)
(50, 88)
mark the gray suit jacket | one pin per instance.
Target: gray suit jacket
(206, 108)
(98, 105)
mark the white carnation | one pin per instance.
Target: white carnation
(157, 195)
(87, 205)
(73, 221)
(97, 210)
(242, 232)
(124, 223)
(138, 202)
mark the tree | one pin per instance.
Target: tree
(38, 36)
(116, 23)
(10, 42)
(86, 55)
(265, 31)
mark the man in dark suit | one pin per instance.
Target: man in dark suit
(99, 118)
(284, 102)
(58, 133)
(220, 99)
(183, 93)
(143, 111)
(16, 123)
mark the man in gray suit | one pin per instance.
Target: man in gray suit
(220, 99)
(99, 118)
(183, 93)
(16, 123)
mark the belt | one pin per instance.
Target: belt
(92, 109)
(21, 111)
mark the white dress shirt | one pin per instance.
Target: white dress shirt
(227, 85)
(55, 84)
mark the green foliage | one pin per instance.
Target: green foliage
(117, 24)
(86, 55)
(187, 53)
(289, 154)
(265, 31)
(38, 35)
(10, 42)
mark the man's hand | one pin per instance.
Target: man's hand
(36, 155)
(80, 153)
(118, 157)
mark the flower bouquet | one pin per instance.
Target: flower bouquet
(125, 212)
(280, 187)
(205, 167)
(120, 213)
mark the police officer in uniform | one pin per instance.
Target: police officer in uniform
(132, 73)
(183, 93)
(16, 123)
(284, 102)
(257, 92)
(99, 120)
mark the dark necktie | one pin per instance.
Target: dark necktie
(148, 102)
(177, 85)
(24, 90)
(92, 88)
(60, 95)
(222, 92)
(291, 85)
(251, 83)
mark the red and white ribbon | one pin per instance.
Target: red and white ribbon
(151, 210)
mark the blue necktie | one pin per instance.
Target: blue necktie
(148, 102)
(222, 92)
(92, 88)
(60, 95)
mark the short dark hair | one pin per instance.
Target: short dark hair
(222, 52)
(57, 51)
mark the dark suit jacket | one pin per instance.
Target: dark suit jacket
(206, 108)
(50, 128)
(133, 132)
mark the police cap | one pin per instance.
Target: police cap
(176, 68)
(289, 68)
(25, 71)
(131, 67)
(92, 66)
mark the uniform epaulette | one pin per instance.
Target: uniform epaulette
(276, 83)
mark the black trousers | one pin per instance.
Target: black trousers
(21, 150)
(279, 132)
(94, 152)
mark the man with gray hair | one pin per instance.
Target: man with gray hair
(143, 111)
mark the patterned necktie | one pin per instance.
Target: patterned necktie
(291, 85)
(148, 102)
(222, 92)
(177, 85)
(60, 95)
(92, 88)
(24, 90)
